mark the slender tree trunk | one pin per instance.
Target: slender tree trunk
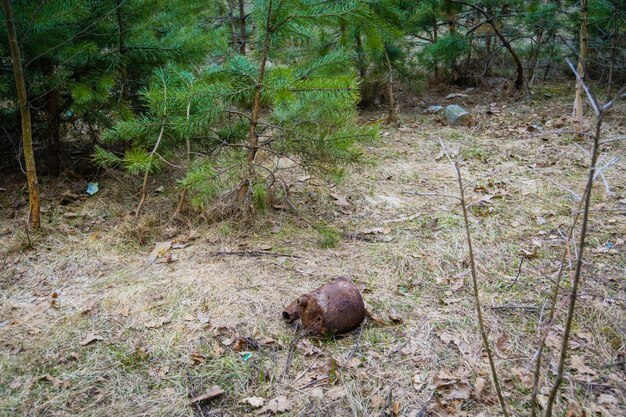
(391, 101)
(360, 61)
(534, 60)
(121, 27)
(519, 80)
(54, 140)
(253, 145)
(487, 71)
(242, 27)
(609, 86)
(582, 58)
(27, 139)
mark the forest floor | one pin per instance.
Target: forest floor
(88, 327)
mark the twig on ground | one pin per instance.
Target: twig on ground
(358, 341)
(519, 271)
(253, 253)
(299, 334)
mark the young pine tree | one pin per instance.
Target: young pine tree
(287, 98)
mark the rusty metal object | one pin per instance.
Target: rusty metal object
(336, 307)
(290, 313)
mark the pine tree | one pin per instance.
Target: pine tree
(280, 99)
(88, 59)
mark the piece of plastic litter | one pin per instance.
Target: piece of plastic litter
(246, 356)
(92, 188)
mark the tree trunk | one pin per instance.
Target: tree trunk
(519, 80)
(253, 145)
(360, 61)
(121, 27)
(391, 102)
(582, 58)
(27, 139)
(609, 86)
(242, 27)
(534, 60)
(54, 123)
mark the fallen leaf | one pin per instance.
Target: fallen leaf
(158, 322)
(574, 410)
(254, 402)
(49, 378)
(524, 376)
(276, 405)
(160, 249)
(375, 231)
(456, 282)
(607, 399)
(455, 95)
(460, 391)
(502, 344)
(203, 317)
(395, 317)
(340, 200)
(307, 348)
(418, 382)
(214, 391)
(317, 393)
(197, 358)
(91, 338)
(376, 318)
(188, 317)
(479, 387)
(410, 348)
(578, 365)
(336, 393)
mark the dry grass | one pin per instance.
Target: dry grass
(96, 263)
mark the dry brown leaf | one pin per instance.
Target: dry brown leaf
(418, 382)
(160, 249)
(340, 200)
(254, 402)
(460, 391)
(91, 338)
(524, 376)
(574, 410)
(607, 399)
(578, 365)
(307, 348)
(214, 391)
(203, 317)
(502, 344)
(456, 282)
(158, 322)
(479, 387)
(276, 405)
(197, 358)
(336, 393)
(395, 317)
(410, 348)
(374, 317)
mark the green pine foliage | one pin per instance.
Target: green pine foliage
(307, 105)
